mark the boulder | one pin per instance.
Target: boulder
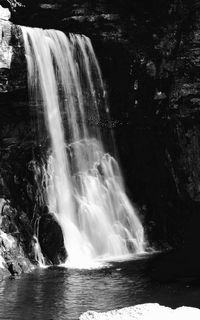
(51, 239)
(12, 256)
(149, 311)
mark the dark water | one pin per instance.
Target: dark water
(58, 293)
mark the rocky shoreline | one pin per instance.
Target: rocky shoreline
(149, 311)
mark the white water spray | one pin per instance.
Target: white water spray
(85, 189)
(36, 245)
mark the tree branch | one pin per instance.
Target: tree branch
(14, 4)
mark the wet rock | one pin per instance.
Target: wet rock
(4, 273)
(5, 48)
(6, 51)
(12, 256)
(51, 240)
(12, 61)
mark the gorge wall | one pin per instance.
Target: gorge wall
(149, 54)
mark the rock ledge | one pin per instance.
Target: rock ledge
(148, 311)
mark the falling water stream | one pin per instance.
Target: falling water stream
(84, 185)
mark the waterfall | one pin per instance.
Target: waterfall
(36, 245)
(84, 185)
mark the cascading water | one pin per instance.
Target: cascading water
(36, 245)
(84, 185)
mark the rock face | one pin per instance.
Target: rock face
(149, 54)
(13, 259)
(23, 214)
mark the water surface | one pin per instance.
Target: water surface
(60, 293)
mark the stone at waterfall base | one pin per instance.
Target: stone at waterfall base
(148, 311)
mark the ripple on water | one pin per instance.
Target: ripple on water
(60, 293)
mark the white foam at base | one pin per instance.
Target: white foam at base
(104, 262)
(148, 311)
(87, 265)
